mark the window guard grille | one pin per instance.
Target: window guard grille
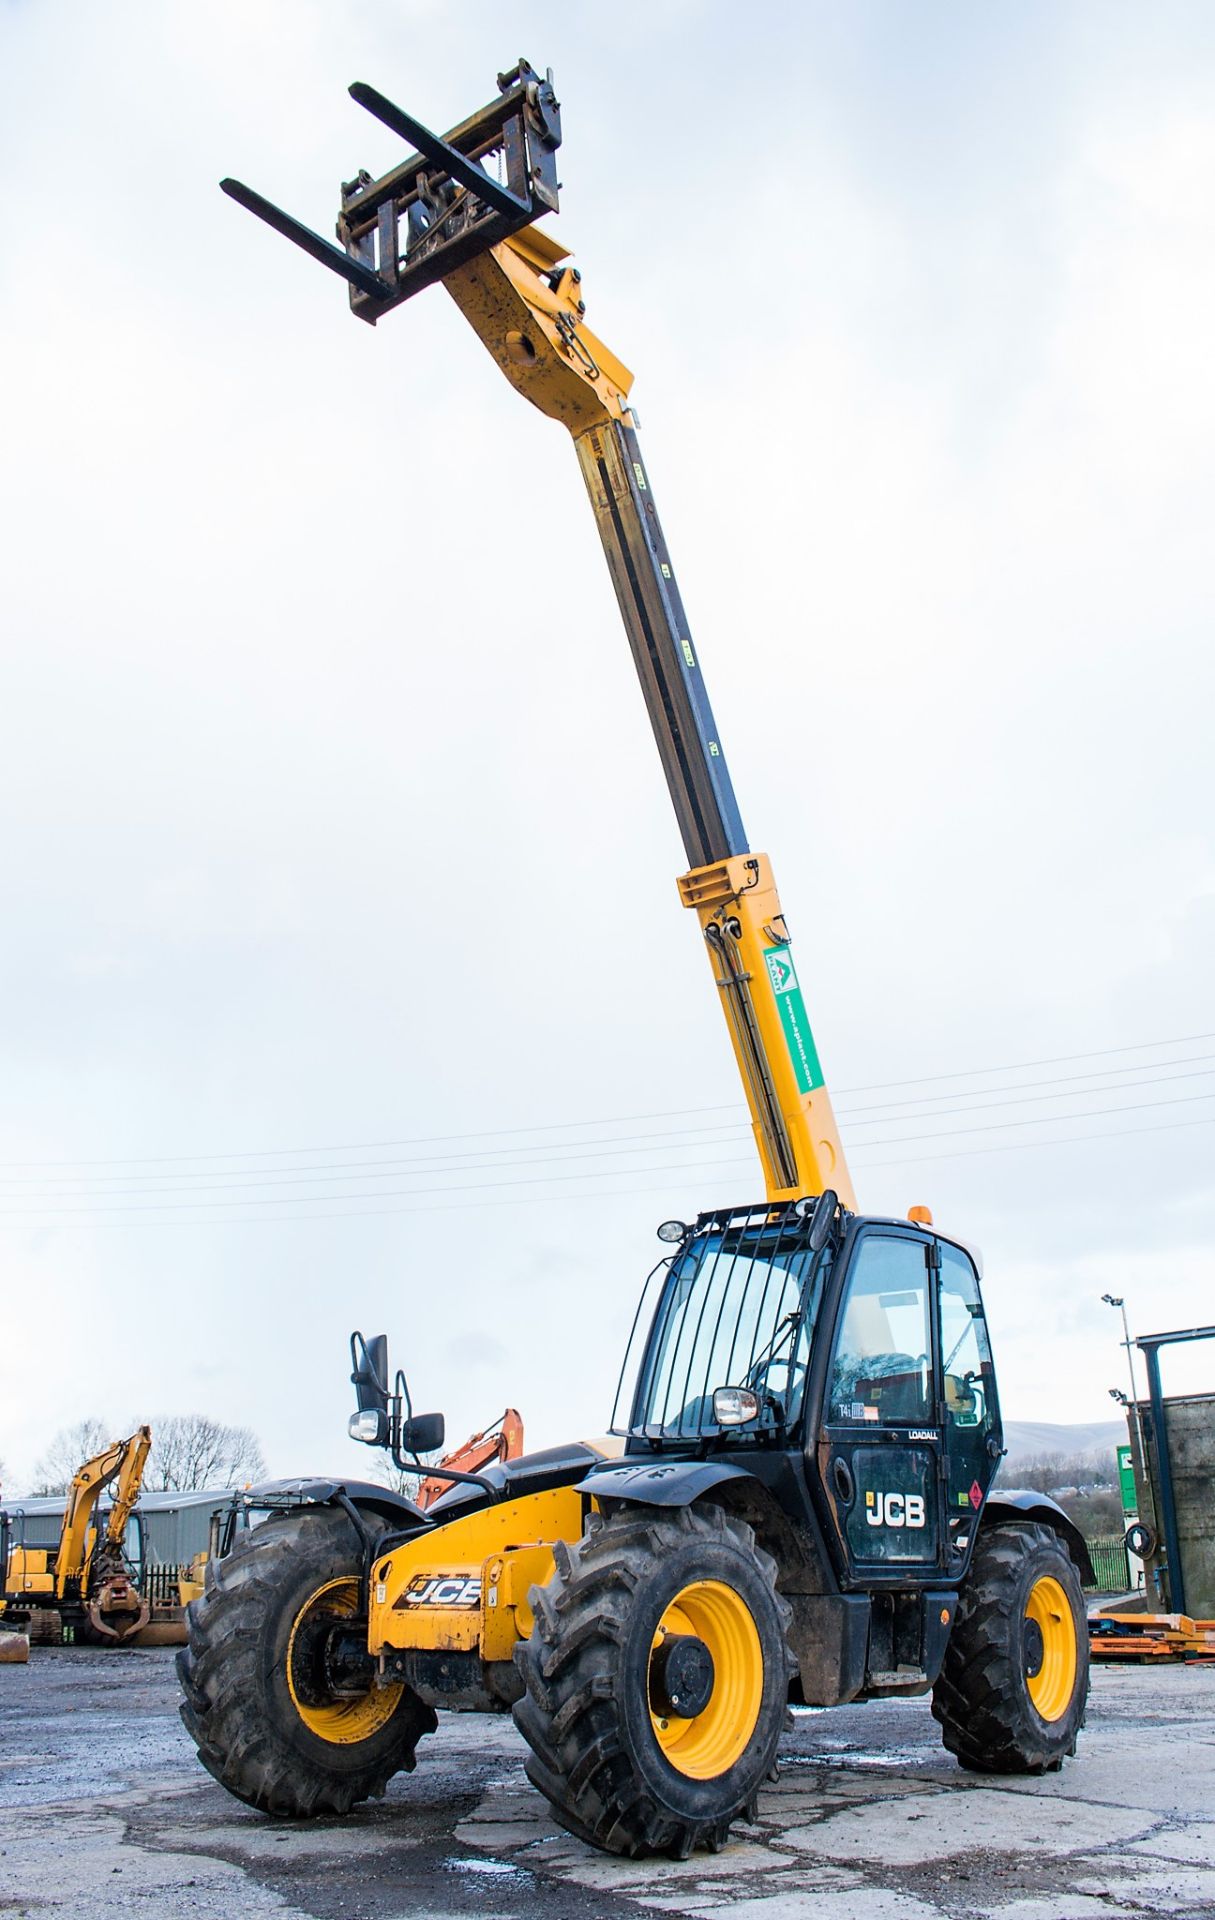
(733, 1306)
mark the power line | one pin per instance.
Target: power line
(478, 1206)
(1018, 1066)
(1024, 1146)
(502, 1133)
(350, 1170)
(605, 1173)
(299, 1199)
(558, 1152)
(1045, 1119)
(1022, 1086)
(1037, 1099)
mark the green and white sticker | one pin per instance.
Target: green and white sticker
(792, 1010)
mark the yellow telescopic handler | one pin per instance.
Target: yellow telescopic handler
(796, 1504)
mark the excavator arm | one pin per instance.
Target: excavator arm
(124, 1463)
(498, 1443)
(443, 216)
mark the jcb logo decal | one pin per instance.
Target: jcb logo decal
(894, 1509)
(442, 1590)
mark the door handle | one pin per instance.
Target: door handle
(845, 1485)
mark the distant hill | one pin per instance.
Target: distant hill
(1040, 1439)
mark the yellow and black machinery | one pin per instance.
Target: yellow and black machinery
(85, 1583)
(796, 1501)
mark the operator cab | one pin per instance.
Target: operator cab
(858, 1346)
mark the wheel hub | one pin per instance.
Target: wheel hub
(307, 1661)
(1035, 1649)
(329, 1660)
(681, 1676)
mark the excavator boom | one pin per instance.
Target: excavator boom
(500, 1442)
(123, 1462)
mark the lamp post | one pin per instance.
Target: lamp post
(1117, 1300)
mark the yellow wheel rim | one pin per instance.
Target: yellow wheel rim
(342, 1722)
(716, 1738)
(1051, 1688)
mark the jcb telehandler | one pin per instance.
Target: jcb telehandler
(797, 1504)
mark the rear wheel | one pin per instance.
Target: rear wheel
(283, 1708)
(657, 1678)
(1014, 1683)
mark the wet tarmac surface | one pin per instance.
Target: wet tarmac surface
(105, 1811)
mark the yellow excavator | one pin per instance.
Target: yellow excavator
(84, 1584)
(796, 1501)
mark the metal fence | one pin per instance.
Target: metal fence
(1110, 1565)
(159, 1585)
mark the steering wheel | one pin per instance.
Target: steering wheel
(795, 1380)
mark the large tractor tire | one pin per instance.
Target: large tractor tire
(259, 1701)
(1014, 1683)
(657, 1677)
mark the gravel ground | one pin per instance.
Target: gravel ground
(103, 1809)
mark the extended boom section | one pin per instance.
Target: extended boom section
(524, 301)
(441, 216)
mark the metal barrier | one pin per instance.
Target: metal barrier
(159, 1585)
(1110, 1565)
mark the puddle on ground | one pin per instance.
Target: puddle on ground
(500, 1869)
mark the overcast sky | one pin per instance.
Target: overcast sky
(344, 977)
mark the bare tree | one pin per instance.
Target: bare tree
(190, 1450)
(396, 1479)
(406, 1480)
(70, 1448)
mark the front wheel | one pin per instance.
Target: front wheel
(657, 1677)
(1014, 1683)
(277, 1695)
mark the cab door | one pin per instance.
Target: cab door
(972, 1437)
(879, 1441)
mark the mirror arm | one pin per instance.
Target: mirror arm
(406, 1463)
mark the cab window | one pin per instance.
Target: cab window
(882, 1368)
(965, 1351)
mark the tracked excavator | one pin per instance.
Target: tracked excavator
(797, 1503)
(85, 1583)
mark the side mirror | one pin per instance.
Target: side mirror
(369, 1359)
(423, 1433)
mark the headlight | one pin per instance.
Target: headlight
(370, 1425)
(672, 1231)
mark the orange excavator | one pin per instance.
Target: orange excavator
(500, 1442)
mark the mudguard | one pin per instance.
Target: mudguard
(671, 1483)
(279, 1495)
(1008, 1504)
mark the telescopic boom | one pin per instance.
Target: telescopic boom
(442, 216)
